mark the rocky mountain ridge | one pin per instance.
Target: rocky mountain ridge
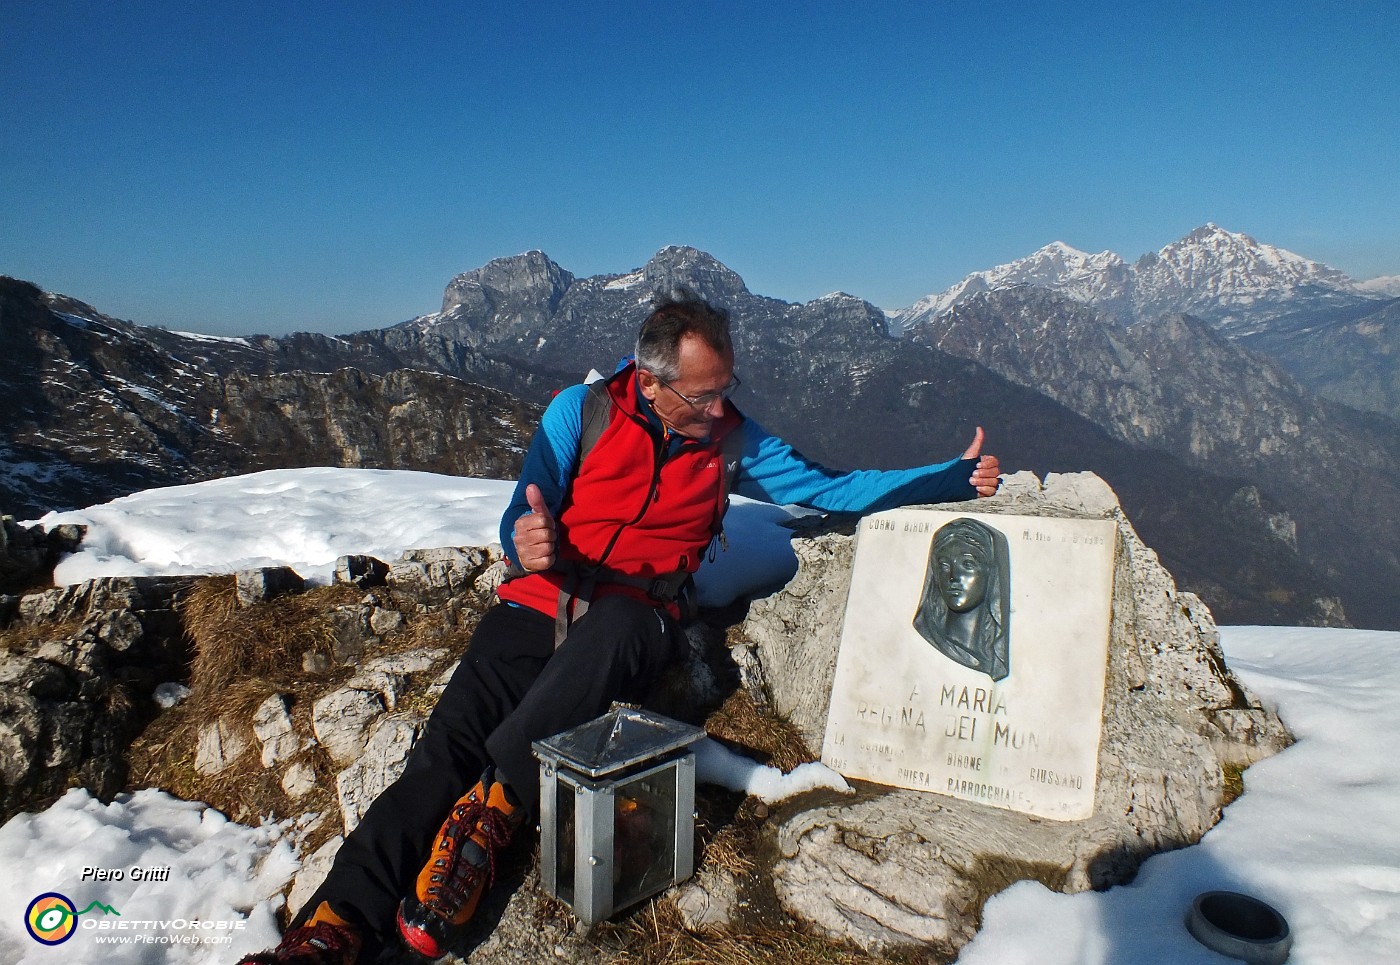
(1176, 385)
(1228, 278)
(829, 377)
(97, 408)
(1223, 431)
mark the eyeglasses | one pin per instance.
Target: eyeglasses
(709, 398)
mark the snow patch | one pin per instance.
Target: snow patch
(625, 282)
(308, 518)
(201, 337)
(217, 872)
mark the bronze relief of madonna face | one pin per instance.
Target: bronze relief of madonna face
(964, 610)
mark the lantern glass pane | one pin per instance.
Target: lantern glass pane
(566, 832)
(644, 842)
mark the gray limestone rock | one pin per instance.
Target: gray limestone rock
(709, 901)
(21, 728)
(436, 688)
(795, 636)
(71, 699)
(142, 594)
(314, 869)
(388, 675)
(405, 662)
(342, 720)
(383, 621)
(28, 553)
(900, 868)
(315, 662)
(351, 633)
(387, 685)
(299, 780)
(382, 762)
(362, 571)
(884, 892)
(272, 725)
(262, 584)
(433, 576)
(118, 629)
(221, 742)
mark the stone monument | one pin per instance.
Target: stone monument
(972, 658)
(893, 867)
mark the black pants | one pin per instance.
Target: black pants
(512, 687)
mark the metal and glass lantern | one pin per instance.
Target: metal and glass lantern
(617, 810)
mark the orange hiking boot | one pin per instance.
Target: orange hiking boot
(325, 939)
(462, 866)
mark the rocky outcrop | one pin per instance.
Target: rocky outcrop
(28, 554)
(905, 868)
(885, 869)
(84, 668)
(404, 419)
(345, 726)
(508, 291)
(77, 679)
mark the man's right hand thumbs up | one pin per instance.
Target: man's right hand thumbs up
(535, 540)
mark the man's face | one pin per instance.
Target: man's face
(703, 371)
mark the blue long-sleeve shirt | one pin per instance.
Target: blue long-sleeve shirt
(769, 469)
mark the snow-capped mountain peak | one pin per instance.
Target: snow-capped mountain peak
(1227, 277)
(1058, 266)
(1216, 263)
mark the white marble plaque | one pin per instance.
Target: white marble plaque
(973, 657)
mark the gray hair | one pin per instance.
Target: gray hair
(672, 318)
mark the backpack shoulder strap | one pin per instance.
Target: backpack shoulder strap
(597, 413)
(731, 451)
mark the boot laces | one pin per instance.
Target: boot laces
(323, 942)
(455, 878)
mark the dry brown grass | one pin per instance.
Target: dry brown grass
(242, 657)
(1233, 775)
(19, 635)
(728, 840)
(164, 755)
(268, 640)
(728, 835)
(738, 723)
(656, 936)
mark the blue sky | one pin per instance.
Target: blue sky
(260, 166)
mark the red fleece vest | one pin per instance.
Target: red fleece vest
(633, 509)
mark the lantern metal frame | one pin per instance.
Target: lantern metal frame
(628, 762)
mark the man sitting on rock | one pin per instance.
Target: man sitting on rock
(602, 549)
